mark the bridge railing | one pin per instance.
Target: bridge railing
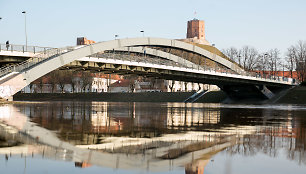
(139, 57)
(42, 56)
(23, 48)
(256, 75)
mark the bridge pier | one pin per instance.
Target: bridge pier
(265, 91)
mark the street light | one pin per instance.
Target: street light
(142, 33)
(116, 36)
(263, 64)
(25, 28)
(213, 45)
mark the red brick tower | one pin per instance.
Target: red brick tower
(196, 29)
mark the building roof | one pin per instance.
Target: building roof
(121, 83)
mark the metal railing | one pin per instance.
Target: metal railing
(42, 56)
(23, 48)
(138, 57)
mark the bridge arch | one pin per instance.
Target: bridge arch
(56, 62)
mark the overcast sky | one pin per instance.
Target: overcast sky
(263, 24)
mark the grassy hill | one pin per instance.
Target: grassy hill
(215, 51)
(296, 95)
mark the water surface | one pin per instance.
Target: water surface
(106, 137)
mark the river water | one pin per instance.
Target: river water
(109, 137)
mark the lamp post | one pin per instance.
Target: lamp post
(214, 52)
(263, 64)
(116, 36)
(25, 28)
(144, 48)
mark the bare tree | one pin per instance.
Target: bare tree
(38, 85)
(301, 60)
(61, 82)
(86, 79)
(53, 79)
(63, 78)
(233, 53)
(72, 81)
(273, 61)
(41, 84)
(249, 57)
(291, 60)
(262, 63)
(296, 60)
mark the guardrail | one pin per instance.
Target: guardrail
(146, 59)
(23, 48)
(42, 56)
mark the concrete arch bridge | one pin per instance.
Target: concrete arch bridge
(151, 57)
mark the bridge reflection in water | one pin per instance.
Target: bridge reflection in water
(155, 136)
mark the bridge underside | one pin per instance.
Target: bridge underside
(11, 60)
(233, 87)
(167, 74)
(251, 92)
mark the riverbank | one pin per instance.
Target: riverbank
(211, 97)
(295, 95)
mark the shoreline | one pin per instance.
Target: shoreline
(295, 95)
(211, 97)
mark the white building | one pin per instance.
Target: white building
(189, 86)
